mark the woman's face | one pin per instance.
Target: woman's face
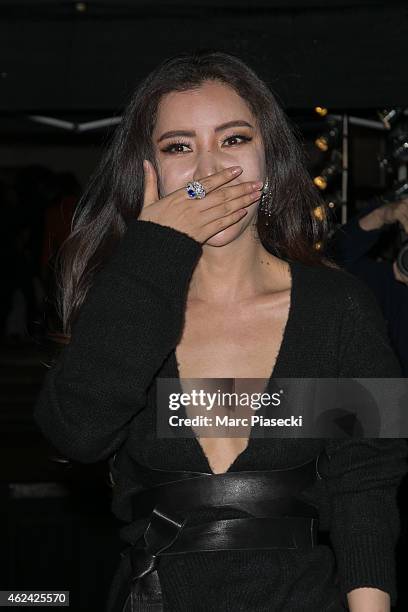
(208, 148)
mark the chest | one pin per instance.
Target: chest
(233, 342)
(243, 342)
(240, 342)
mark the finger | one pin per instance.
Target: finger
(395, 270)
(218, 225)
(151, 193)
(233, 192)
(210, 183)
(398, 274)
(225, 209)
(402, 217)
(220, 178)
(400, 209)
(401, 278)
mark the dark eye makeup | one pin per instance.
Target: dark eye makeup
(170, 147)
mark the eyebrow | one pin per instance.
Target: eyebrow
(224, 126)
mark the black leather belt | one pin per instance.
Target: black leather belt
(277, 519)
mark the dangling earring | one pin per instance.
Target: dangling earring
(265, 205)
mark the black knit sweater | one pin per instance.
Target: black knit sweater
(97, 402)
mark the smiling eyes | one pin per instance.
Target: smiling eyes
(180, 143)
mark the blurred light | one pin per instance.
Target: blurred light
(328, 139)
(398, 192)
(75, 127)
(400, 147)
(319, 213)
(81, 7)
(369, 123)
(320, 182)
(322, 143)
(321, 110)
(390, 116)
(330, 172)
(318, 246)
(401, 190)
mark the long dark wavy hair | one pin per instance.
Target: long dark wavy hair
(114, 194)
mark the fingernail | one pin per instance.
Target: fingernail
(258, 185)
(236, 170)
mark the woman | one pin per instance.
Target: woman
(162, 278)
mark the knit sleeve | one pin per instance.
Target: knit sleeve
(129, 322)
(364, 474)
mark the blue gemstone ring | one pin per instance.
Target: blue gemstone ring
(195, 190)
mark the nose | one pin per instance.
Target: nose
(207, 163)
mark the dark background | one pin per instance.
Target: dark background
(57, 56)
(79, 62)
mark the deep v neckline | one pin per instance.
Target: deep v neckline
(280, 359)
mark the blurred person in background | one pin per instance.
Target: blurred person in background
(354, 246)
